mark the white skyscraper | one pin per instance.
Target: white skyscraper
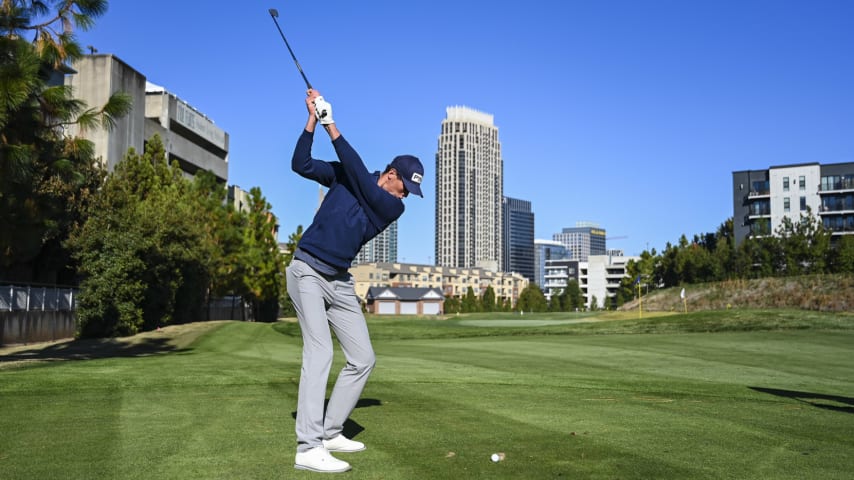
(469, 191)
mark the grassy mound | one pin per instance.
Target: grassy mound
(826, 293)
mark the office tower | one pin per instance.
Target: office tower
(518, 237)
(469, 191)
(583, 240)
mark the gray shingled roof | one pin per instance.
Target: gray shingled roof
(404, 294)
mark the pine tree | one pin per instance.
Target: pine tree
(264, 276)
(46, 179)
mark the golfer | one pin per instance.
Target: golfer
(358, 206)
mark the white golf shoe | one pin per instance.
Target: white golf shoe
(318, 459)
(343, 444)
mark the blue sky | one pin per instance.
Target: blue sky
(631, 114)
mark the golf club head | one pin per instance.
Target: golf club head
(274, 13)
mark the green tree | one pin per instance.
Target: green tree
(488, 300)
(804, 245)
(287, 307)
(725, 253)
(531, 299)
(452, 305)
(223, 234)
(571, 300)
(555, 303)
(760, 256)
(507, 305)
(141, 250)
(470, 302)
(263, 277)
(627, 290)
(47, 179)
(666, 269)
(695, 264)
(842, 255)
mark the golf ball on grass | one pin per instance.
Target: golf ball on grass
(497, 457)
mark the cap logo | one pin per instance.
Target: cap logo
(416, 178)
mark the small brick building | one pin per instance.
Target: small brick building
(405, 301)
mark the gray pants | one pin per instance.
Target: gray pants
(322, 301)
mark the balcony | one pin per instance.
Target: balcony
(757, 195)
(556, 275)
(846, 185)
(839, 226)
(757, 214)
(838, 208)
(838, 230)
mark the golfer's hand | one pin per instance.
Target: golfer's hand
(311, 95)
(323, 111)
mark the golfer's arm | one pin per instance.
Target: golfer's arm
(331, 129)
(333, 132)
(311, 124)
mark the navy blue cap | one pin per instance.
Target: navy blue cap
(411, 172)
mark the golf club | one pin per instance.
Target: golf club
(275, 14)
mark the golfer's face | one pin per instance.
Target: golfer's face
(394, 185)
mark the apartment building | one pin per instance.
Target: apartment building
(453, 282)
(380, 249)
(600, 277)
(557, 274)
(544, 251)
(762, 198)
(469, 191)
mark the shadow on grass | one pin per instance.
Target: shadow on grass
(352, 428)
(91, 349)
(835, 403)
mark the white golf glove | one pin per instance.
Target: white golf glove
(323, 111)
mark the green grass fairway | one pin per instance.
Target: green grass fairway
(748, 395)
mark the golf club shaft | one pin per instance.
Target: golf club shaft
(273, 14)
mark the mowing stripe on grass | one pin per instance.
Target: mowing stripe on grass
(563, 404)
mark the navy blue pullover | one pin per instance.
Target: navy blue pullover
(355, 208)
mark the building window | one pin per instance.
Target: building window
(803, 204)
(802, 183)
(786, 185)
(786, 204)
